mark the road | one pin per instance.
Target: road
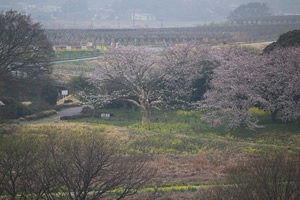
(55, 118)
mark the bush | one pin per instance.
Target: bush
(13, 109)
(40, 115)
(22, 110)
(49, 94)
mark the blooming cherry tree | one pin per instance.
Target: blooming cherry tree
(232, 85)
(189, 63)
(246, 79)
(150, 77)
(279, 83)
(137, 71)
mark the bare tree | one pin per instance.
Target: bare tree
(270, 176)
(17, 155)
(40, 180)
(264, 176)
(69, 165)
(89, 165)
(24, 48)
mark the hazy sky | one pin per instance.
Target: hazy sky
(97, 12)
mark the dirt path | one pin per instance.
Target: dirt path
(55, 118)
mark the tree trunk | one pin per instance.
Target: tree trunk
(94, 112)
(273, 114)
(145, 111)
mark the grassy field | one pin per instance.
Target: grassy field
(63, 71)
(190, 155)
(65, 55)
(182, 132)
(74, 68)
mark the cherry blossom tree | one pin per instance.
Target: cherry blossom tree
(231, 87)
(136, 71)
(246, 79)
(190, 63)
(279, 83)
(149, 77)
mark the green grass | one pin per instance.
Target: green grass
(74, 67)
(62, 55)
(183, 132)
(180, 132)
(156, 138)
(176, 132)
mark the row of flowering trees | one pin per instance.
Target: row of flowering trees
(236, 79)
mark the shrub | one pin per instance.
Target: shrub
(49, 94)
(22, 110)
(13, 109)
(40, 115)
